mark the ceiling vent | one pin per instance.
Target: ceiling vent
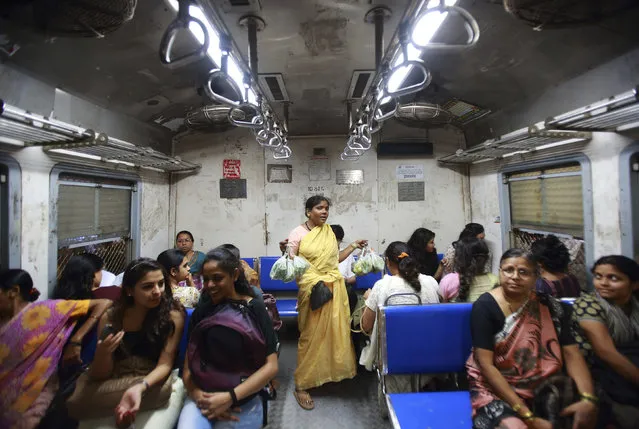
(423, 115)
(360, 82)
(241, 6)
(465, 113)
(211, 118)
(273, 85)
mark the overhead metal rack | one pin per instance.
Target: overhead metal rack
(520, 141)
(20, 127)
(618, 113)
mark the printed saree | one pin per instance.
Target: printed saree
(325, 351)
(31, 346)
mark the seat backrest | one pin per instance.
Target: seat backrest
(440, 256)
(184, 341)
(268, 285)
(250, 262)
(367, 281)
(417, 339)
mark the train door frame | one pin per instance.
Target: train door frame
(10, 212)
(136, 207)
(587, 198)
(629, 199)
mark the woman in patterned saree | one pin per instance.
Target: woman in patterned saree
(184, 241)
(520, 339)
(33, 336)
(324, 352)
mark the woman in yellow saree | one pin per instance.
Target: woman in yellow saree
(325, 351)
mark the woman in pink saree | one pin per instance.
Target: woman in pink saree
(34, 337)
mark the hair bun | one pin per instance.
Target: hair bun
(34, 294)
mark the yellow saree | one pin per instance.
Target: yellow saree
(325, 351)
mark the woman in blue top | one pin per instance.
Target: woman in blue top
(184, 241)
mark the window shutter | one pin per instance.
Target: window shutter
(76, 212)
(114, 215)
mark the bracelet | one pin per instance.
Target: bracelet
(354, 245)
(589, 397)
(527, 416)
(233, 397)
(146, 385)
(517, 407)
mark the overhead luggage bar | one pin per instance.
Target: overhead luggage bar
(618, 113)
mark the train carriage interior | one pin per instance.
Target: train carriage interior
(125, 122)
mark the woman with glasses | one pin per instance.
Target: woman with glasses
(520, 339)
(184, 241)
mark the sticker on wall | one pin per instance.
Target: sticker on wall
(232, 188)
(410, 171)
(231, 169)
(349, 177)
(411, 191)
(319, 169)
(279, 173)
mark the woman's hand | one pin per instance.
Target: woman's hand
(584, 414)
(283, 244)
(215, 405)
(129, 405)
(360, 244)
(189, 280)
(367, 293)
(72, 354)
(538, 423)
(109, 344)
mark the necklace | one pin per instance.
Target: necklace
(306, 225)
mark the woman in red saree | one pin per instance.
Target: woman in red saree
(520, 339)
(34, 337)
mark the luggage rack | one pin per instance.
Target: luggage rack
(517, 142)
(23, 128)
(618, 113)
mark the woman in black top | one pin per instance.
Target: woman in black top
(422, 248)
(219, 350)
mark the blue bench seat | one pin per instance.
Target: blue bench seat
(433, 410)
(286, 307)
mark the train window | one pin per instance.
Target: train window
(95, 214)
(550, 198)
(10, 215)
(629, 200)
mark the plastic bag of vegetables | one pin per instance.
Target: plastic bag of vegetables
(376, 261)
(300, 265)
(364, 264)
(283, 269)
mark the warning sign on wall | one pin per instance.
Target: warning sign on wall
(231, 169)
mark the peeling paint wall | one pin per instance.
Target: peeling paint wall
(370, 210)
(602, 151)
(154, 219)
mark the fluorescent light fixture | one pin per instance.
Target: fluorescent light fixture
(115, 161)
(479, 161)
(78, 154)
(561, 143)
(508, 155)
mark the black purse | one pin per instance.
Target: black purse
(320, 295)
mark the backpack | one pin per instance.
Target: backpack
(226, 347)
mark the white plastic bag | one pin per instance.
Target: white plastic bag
(283, 269)
(376, 261)
(363, 265)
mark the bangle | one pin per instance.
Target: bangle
(517, 407)
(354, 245)
(589, 397)
(527, 416)
(233, 397)
(146, 385)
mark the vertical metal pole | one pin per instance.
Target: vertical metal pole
(285, 108)
(379, 37)
(252, 46)
(349, 114)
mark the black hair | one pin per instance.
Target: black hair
(407, 265)
(315, 200)
(157, 325)
(184, 232)
(624, 264)
(427, 262)
(231, 248)
(520, 253)
(471, 255)
(17, 277)
(97, 261)
(171, 258)
(228, 262)
(471, 230)
(76, 280)
(551, 253)
(338, 231)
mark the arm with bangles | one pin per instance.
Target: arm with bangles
(97, 307)
(604, 347)
(132, 398)
(584, 410)
(357, 244)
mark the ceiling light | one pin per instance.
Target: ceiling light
(115, 161)
(561, 143)
(78, 154)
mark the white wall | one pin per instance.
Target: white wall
(370, 210)
(602, 151)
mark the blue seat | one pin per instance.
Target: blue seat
(402, 330)
(367, 281)
(286, 307)
(268, 285)
(440, 256)
(184, 341)
(250, 262)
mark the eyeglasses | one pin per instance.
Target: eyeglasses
(511, 271)
(186, 240)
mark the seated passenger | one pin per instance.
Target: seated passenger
(251, 275)
(470, 230)
(176, 266)
(520, 339)
(226, 367)
(34, 338)
(553, 259)
(470, 280)
(422, 248)
(77, 280)
(134, 357)
(184, 241)
(606, 327)
(404, 278)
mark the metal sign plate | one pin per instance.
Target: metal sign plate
(349, 177)
(232, 188)
(279, 173)
(411, 191)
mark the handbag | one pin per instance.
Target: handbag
(271, 308)
(320, 295)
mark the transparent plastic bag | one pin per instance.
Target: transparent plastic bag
(300, 265)
(377, 262)
(364, 264)
(283, 269)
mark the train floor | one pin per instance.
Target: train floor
(350, 404)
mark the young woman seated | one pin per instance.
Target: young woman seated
(553, 258)
(177, 267)
(132, 368)
(232, 351)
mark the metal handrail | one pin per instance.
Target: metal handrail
(181, 22)
(470, 24)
